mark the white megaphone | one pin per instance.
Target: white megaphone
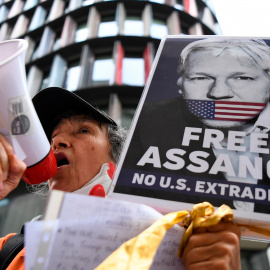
(19, 122)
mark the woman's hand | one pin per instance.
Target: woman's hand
(11, 168)
(214, 247)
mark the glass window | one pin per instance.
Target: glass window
(81, 32)
(127, 116)
(4, 205)
(133, 26)
(33, 56)
(102, 71)
(133, 71)
(56, 43)
(158, 29)
(107, 29)
(3, 13)
(29, 4)
(87, 2)
(45, 81)
(73, 76)
(158, 1)
(179, 5)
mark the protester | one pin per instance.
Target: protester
(85, 141)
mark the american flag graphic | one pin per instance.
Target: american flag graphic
(224, 110)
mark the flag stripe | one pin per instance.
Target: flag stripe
(239, 114)
(234, 112)
(232, 118)
(237, 107)
(240, 103)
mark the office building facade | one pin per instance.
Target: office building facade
(101, 50)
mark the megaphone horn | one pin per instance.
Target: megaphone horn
(19, 122)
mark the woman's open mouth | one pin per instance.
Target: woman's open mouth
(61, 159)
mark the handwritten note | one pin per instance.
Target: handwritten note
(89, 229)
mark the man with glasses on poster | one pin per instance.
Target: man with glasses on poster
(226, 85)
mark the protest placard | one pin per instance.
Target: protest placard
(201, 131)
